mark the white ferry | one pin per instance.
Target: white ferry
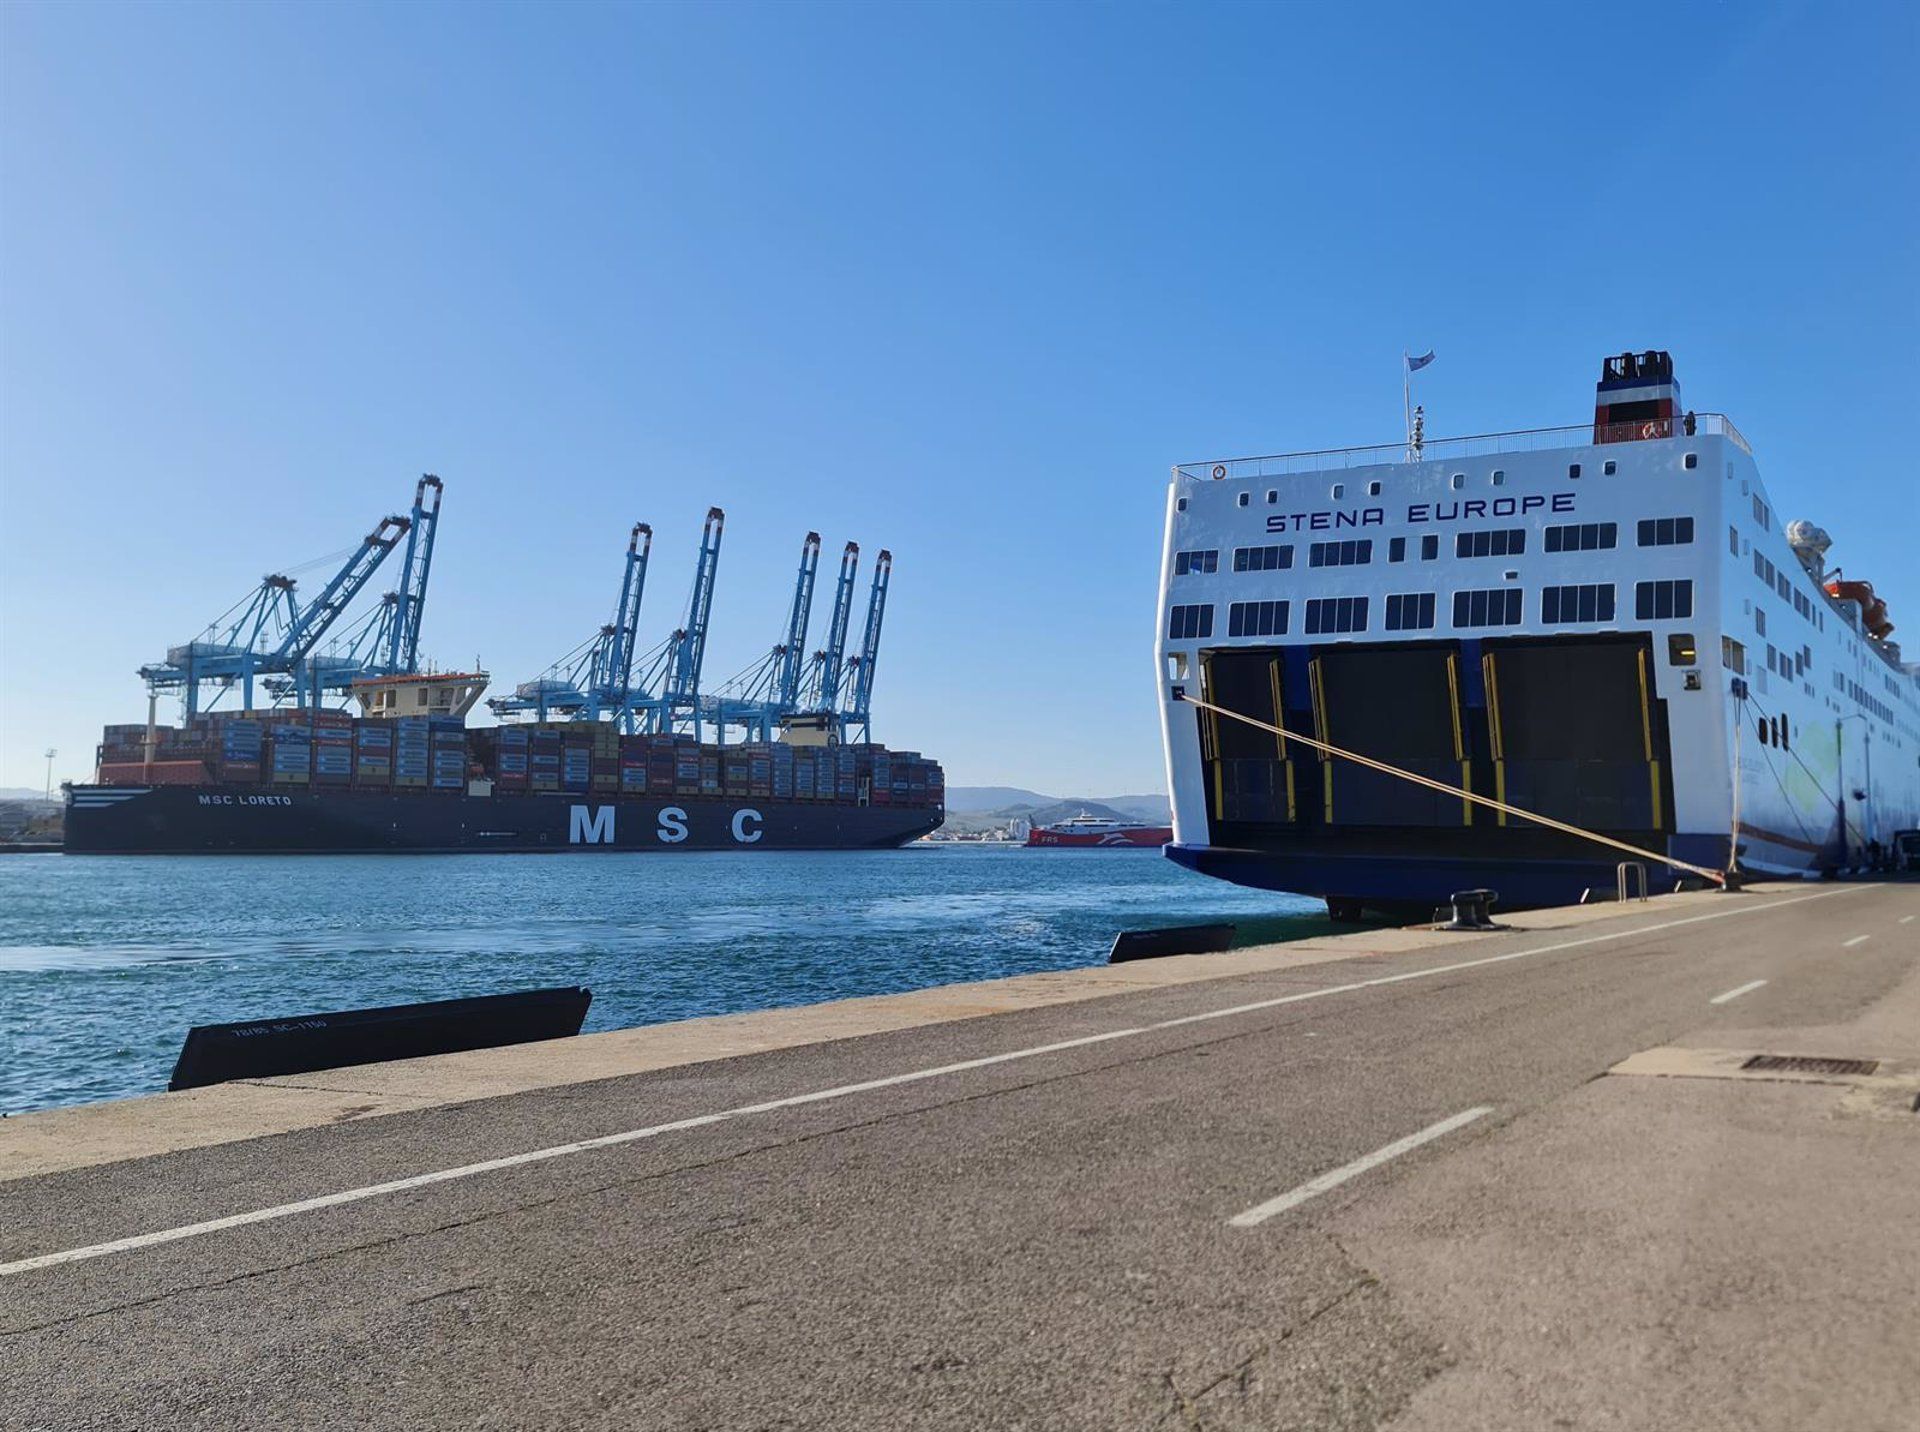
(1610, 626)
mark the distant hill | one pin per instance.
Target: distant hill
(977, 800)
(1010, 801)
(21, 793)
(1067, 810)
(973, 810)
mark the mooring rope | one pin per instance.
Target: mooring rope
(1716, 876)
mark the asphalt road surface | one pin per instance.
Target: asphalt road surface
(1391, 1191)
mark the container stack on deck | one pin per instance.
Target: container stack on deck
(435, 755)
(373, 755)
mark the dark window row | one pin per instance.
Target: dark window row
(1495, 542)
(1199, 561)
(1490, 607)
(1262, 559)
(1584, 603)
(1497, 607)
(1582, 536)
(1356, 552)
(1429, 548)
(1257, 619)
(1666, 531)
(1662, 601)
(1410, 611)
(1790, 664)
(1336, 614)
(1190, 622)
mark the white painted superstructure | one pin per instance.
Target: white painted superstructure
(1640, 550)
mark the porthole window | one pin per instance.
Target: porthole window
(1243, 499)
(1180, 504)
(1691, 461)
(1499, 478)
(1272, 497)
(1373, 489)
(1609, 469)
(1339, 491)
(1457, 481)
(1573, 469)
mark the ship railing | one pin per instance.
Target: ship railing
(1478, 445)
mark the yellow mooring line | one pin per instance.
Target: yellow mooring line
(1717, 877)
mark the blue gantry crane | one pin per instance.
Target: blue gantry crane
(674, 670)
(857, 713)
(387, 641)
(769, 690)
(823, 684)
(402, 653)
(828, 692)
(270, 633)
(594, 681)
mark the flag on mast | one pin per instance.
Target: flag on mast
(1410, 366)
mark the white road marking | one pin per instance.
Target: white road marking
(1747, 988)
(1856, 940)
(533, 1156)
(1313, 1188)
(1906, 919)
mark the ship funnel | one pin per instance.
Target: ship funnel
(1636, 398)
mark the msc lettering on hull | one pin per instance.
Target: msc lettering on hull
(586, 827)
(594, 825)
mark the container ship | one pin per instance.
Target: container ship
(1608, 625)
(611, 749)
(1096, 832)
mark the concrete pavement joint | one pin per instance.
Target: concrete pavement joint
(355, 1195)
(1239, 1371)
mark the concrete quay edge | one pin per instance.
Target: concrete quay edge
(144, 1126)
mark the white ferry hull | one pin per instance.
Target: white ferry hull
(1657, 669)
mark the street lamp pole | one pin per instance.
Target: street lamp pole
(1865, 796)
(51, 753)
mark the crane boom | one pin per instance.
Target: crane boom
(826, 690)
(614, 683)
(306, 629)
(793, 654)
(690, 642)
(410, 597)
(860, 702)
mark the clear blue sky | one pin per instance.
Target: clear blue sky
(961, 281)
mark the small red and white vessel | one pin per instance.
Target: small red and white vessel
(1094, 831)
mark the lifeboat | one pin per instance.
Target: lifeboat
(1873, 610)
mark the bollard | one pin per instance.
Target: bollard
(1470, 910)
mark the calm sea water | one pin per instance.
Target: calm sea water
(104, 963)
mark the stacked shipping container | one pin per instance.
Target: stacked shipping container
(430, 754)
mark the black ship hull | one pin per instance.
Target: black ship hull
(255, 820)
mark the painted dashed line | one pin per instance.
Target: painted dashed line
(1313, 1188)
